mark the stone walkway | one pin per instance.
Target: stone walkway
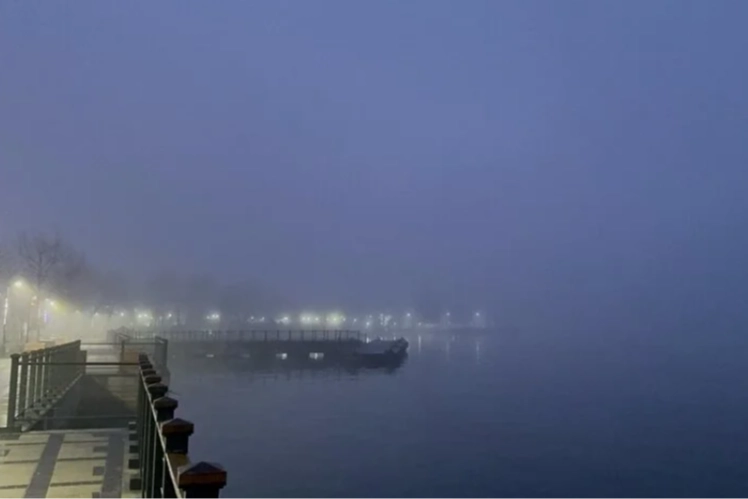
(85, 463)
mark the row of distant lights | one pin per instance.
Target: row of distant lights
(333, 319)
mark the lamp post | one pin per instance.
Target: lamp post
(5, 322)
(17, 283)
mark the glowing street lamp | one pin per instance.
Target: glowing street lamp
(18, 283)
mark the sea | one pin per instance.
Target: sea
(484, 413)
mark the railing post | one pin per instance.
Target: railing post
(142, 403)
(202, 479)
(154, 488)
(165, 407)
(164, 353)
(12, 390)
(52, 376)
(23, 383)
(154, 478)
(47, 375)
(176, 434)
(150, 432)
(33, 388)
(82, 358)
(61, 378)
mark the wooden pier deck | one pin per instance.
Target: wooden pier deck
(65, 463)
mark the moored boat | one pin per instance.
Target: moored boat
(382, 350)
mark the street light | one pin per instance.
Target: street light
(17, 283)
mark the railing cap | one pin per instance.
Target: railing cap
(158, 387)
(201, 473)
(165, 402)
(177, 426)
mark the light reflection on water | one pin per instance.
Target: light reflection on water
(487, 415)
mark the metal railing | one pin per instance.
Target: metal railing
(39, 378)
(130, 346)
(247, 335)
(163, 443)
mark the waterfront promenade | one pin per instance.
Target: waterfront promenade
(96, 422)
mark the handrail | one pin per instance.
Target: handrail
(130, 347)
(163, 443)
(39, 378)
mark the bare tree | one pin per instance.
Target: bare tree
(40, 257)
(70, 273)
(50, 265)
(100, 292)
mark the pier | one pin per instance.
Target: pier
(97, 420)
(258, 344)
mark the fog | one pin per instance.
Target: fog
(565, 165)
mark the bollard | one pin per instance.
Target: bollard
(201, 479)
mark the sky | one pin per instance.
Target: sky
(542, 159)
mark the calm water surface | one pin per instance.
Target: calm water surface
(490, 415)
